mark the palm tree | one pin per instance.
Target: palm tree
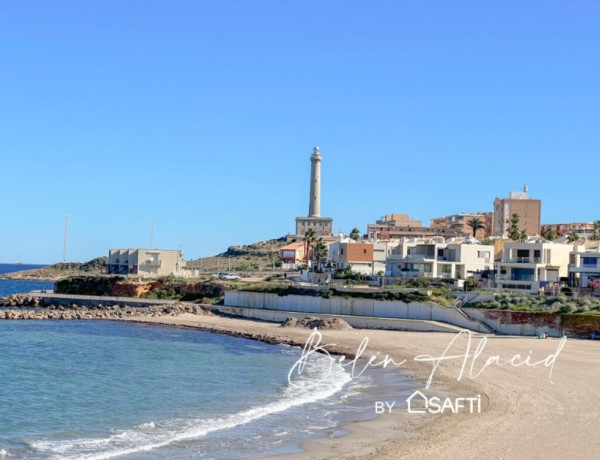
(596, 235)
(320, 251)
(355, 234)
(572, 236)
(309, 238)
(476, 224)
(550, 234)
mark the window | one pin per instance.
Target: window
(589, 261)
(364, 251)
(342, 251)
(483, 254)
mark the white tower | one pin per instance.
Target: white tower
(314, 204)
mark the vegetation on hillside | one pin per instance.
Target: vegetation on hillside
(260, 256)
(534, 303)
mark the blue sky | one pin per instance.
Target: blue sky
(202, 116)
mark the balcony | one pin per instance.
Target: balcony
(152, 263)
(515, 277)
(522, 260)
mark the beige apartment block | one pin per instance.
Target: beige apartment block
(519, 203)
(397, 226)
(437, 258)
(458, 223)
(583, 229)
(145, 262)
(532, 265)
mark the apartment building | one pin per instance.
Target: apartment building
(583, 229)
(436, 258)
(529, 211)
(458, 223)
(531, 265)
(144, 262)
(397, 226)
(584, 265)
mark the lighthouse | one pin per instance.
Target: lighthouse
(323, 226)
(314, 204)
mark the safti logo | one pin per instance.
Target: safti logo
(418, 403)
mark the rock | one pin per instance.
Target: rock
(312, 322)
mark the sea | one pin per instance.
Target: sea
(102, 389)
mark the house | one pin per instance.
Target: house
(357, 256)
(532, 265)
(457, 258)
(584, 265)
(144, 262)
(292, 254)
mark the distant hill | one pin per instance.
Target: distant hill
(60, 270)
(253, 257)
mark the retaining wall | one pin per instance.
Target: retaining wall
(351, 307)
(362, 322)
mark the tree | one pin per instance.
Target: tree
(320, 250)
(476, 224)
(523, 236)
(513, 231)
(309, 238)
(572, 236)
(550, 234)
(596, 235)
(355, 234)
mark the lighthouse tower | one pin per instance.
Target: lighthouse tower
(323, 226)
(314, 204)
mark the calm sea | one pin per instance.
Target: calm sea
(101, 389)
(8, 287)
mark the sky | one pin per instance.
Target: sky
(201, 117)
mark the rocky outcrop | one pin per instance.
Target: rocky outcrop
(312, 322)
(75, 311)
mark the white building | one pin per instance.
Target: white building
(584, 264)
(145, 262)
(437, 258)
(532, 265)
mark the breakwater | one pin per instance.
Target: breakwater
(35, 306)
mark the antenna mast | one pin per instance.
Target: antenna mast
(65, 240)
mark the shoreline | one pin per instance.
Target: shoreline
(517, 403)
(378, 426)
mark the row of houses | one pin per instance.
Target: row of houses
(528, 266)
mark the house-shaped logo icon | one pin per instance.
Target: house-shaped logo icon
(417, 403)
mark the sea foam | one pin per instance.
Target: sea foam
(322, 378)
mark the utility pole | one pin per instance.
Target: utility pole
(65, 240)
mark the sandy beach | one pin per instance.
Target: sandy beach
(527, 411)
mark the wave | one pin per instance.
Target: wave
(321, 379)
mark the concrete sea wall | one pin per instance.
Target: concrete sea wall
(352, 307)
